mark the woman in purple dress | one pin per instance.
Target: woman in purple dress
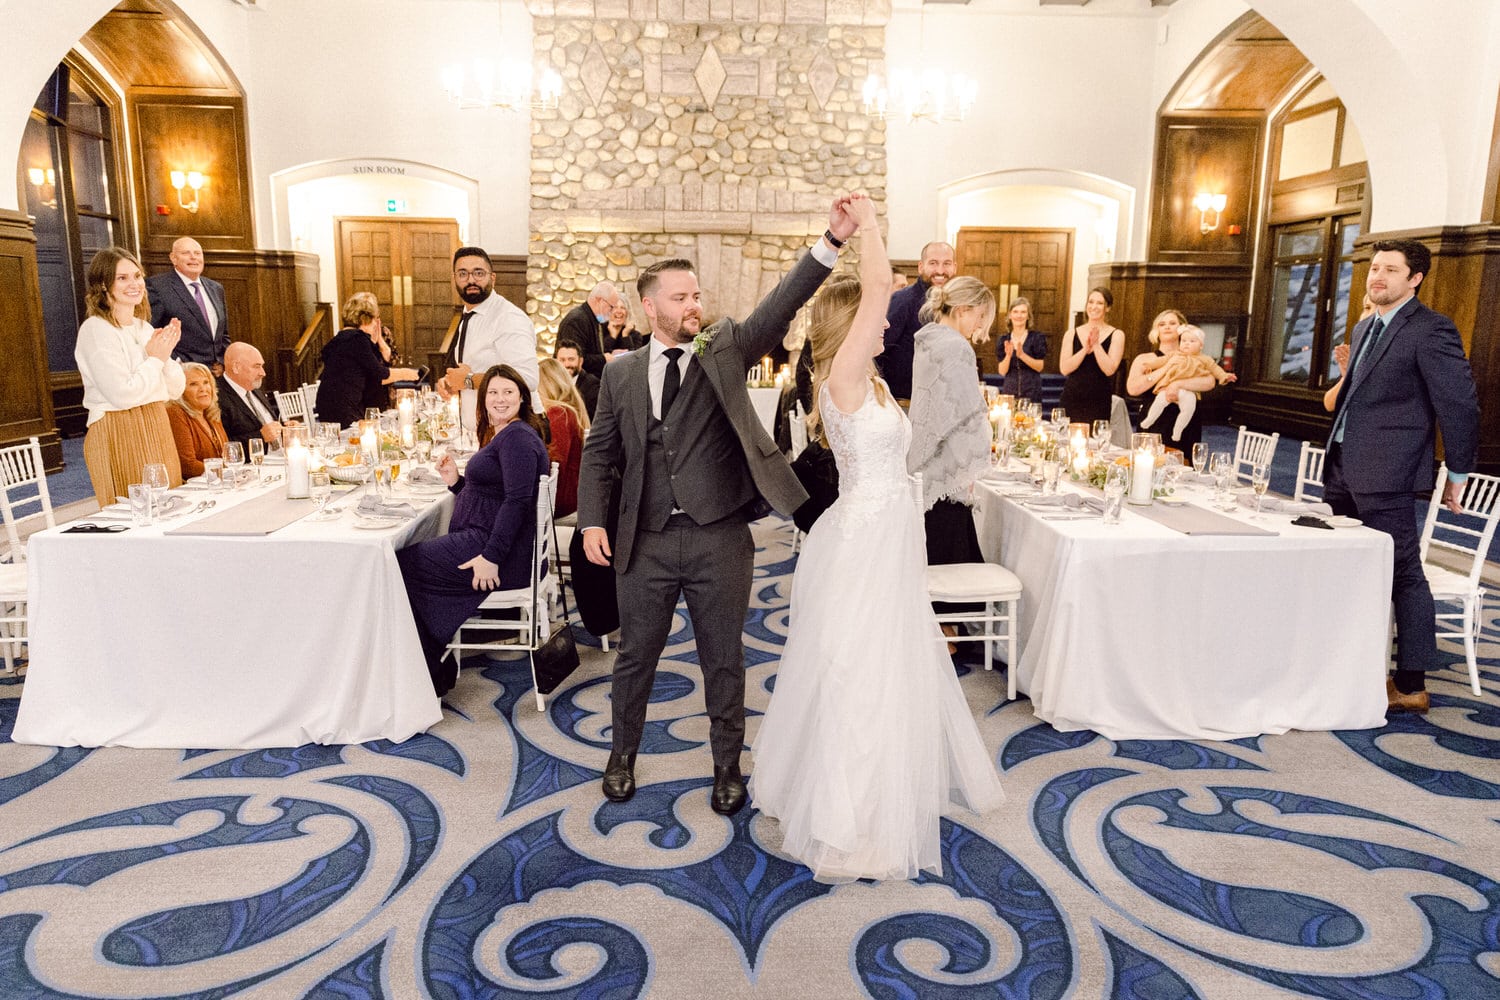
(489, 540)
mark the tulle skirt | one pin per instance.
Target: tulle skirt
(867, 741)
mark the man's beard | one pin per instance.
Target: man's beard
(680, 333)
(474, 294)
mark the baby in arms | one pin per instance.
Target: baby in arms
(1188, 362)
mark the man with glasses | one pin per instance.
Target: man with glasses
(585, 324)
(492, 331)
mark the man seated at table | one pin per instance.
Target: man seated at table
(247, 412)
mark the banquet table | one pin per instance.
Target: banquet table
(150, 639)
(1138, 631)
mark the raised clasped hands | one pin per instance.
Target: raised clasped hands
(841, 219)
(1341, 357)
(163, 340)
(486, 573)
(863, 211)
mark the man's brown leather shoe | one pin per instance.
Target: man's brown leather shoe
(619, 777)
(1417, 701)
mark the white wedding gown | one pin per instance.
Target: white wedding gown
(867, 740)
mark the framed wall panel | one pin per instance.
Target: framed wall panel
(187, 132)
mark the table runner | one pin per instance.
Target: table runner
(257, 516)
(1191, 519)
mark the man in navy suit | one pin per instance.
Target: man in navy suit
(185, 295)
(1407, 377)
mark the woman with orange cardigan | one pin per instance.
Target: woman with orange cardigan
(194, 417)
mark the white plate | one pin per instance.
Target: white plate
(1344, 522)
(375, 524)
(1173, 501)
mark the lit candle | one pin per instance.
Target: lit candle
(1080, 463)
(1142, 470)
(453, 410)
(369, 447)
(1079, 442)
(403, 412)
(408, 436)
(298, 486)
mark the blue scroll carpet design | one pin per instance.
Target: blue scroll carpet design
(479, 860)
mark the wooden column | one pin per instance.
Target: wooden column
(25, 392)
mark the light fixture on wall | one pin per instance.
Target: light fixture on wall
(510, 85)
(192, 180)
(45, 182)
(1210, 208)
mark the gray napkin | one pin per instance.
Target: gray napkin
(1007, 476)
(373, 506)
(1285, 506)
(1190, 478)
(424, 476)
(1070, 501)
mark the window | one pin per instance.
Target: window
(69, 180)
(1311, 282)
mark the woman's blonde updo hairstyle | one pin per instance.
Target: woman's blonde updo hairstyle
(958, 293)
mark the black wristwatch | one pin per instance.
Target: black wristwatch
(833, 240)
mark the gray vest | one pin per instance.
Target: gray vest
(694, 462)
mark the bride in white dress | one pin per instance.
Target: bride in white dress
(867, 741)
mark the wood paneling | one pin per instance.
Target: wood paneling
(190, 132)
(141, 45)
(25, 394)
(1241, 75)
(1217, 155)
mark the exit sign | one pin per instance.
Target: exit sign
(395, 204)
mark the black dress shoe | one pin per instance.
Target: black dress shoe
(619, 777)
(729, 795)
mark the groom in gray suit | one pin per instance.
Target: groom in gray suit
(676, 434)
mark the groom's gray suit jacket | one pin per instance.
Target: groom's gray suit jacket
(708, 480)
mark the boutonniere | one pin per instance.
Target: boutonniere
(704, 338)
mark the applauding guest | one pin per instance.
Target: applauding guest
(128, 376)
(196, 302)
(1090, 357)
(356, 365)
(1021, 351)
(488, 545)
(568, 420)
(194, 417)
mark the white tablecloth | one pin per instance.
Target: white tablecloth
(765, 402)
(1137, 631)
(303, 636)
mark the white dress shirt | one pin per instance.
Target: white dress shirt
(117, 372)
(656, 373)
(501, 334)
(208, 303)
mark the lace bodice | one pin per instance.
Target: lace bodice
(869, 446)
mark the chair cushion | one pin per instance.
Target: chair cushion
(12, 581)
(962, 582)
(1447, 584)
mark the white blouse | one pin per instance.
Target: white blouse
(117, 372)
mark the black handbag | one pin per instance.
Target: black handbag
(555, 659)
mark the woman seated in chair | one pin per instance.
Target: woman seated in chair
(568, 418)
(493, 527)
(194, 417)
(357, 365)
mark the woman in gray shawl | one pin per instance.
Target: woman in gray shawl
(950, 430)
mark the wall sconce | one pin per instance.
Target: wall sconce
(45, 182)
(191, 179)
(1210, 208)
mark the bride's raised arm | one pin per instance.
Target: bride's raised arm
(848, 376)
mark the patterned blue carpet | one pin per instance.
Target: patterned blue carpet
(479, 860)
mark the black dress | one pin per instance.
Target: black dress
(353, 378)
(1087, 391)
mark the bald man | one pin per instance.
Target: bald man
(245, 411)
(185, 295)
(584, 325)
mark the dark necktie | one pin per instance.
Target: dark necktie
(203, 308)
(672, 382)
(458, 345)
(1377, 327)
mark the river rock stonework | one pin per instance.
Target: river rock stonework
(716, 130)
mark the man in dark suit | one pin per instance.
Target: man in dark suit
(245, 411)
(1407, 377)
(695, 464)
(585, 323)
(935, 268)
(196, 302)
(570, 356)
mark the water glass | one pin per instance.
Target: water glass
(257, 455)
(320, 488)
(1102, 431)
(1200, 457)
(234, 461)
(140, 504)
(213, 471)
(1114, 500)
(1050, 470)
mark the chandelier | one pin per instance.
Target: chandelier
(930, 95)
(510, 85)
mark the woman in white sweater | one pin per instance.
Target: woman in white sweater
(128, 376)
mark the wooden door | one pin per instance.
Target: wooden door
(408, 265)
(1034, 263)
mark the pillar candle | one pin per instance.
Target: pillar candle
(298, 485)
(1142, 470)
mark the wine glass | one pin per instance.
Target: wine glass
(320, 488)
(1200, 457)
(392, 471)
(1260, 481)
(1101, 433)
(257, 448)
(154, 476)
(234, 461)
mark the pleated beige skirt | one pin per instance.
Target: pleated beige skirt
(119, 444)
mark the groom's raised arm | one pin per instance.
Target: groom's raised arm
(764, 328)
